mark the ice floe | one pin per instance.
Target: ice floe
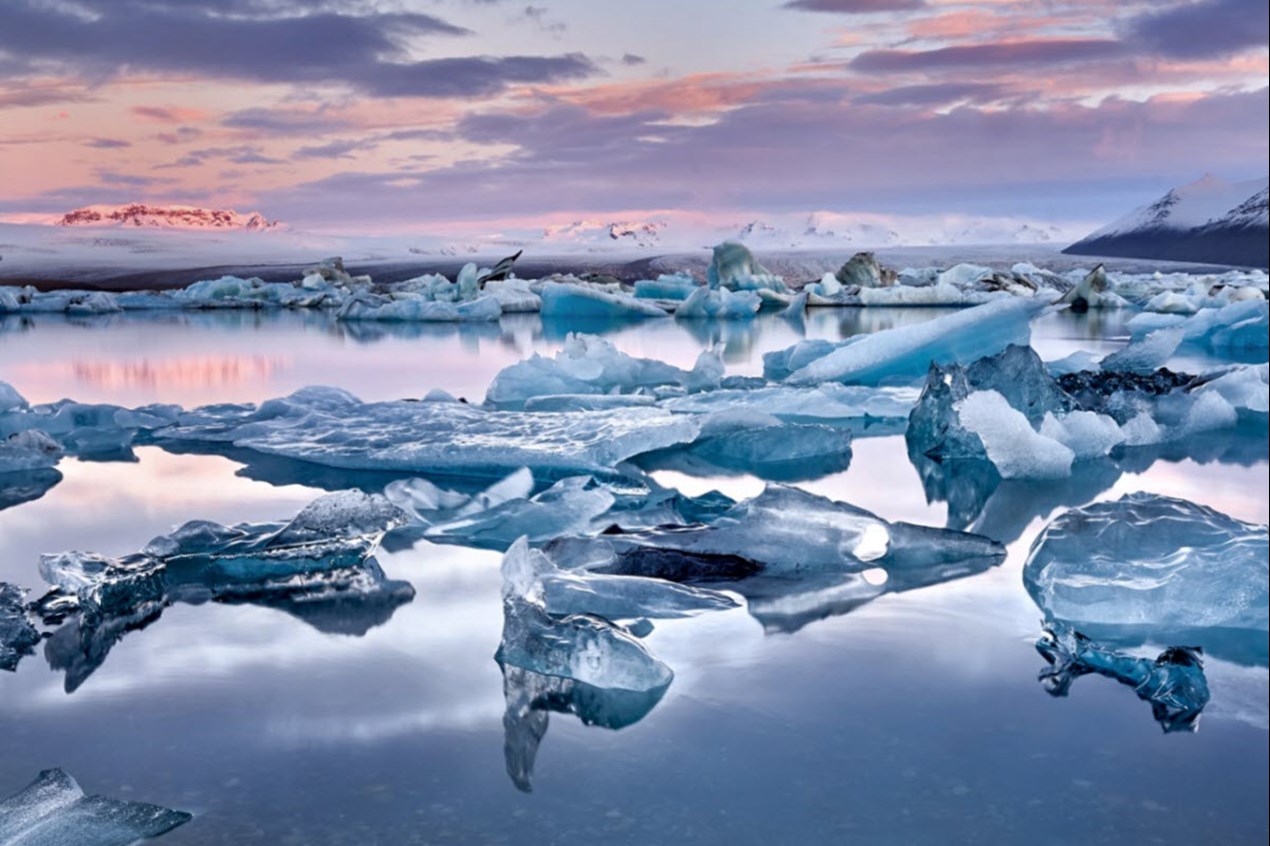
(53, 811)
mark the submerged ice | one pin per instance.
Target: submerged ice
(53, 811)
(1155, 567)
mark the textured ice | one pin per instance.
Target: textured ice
(331, 427)
(569, 299)
(1173, 683)
(829, 402)
(1242, 326)
(733, 266)
(904, 354)
(568, 506)
(587, 364)
(719, 304)
(863, 271)
(531, 574)
(514, 295)
(53, 811)
(668, 286)
(1153, 566)
(28, 450)
(1146, 355)
(1092, 292)
(1009, 441)
(783, 532)
(412, 307)
(17, 636)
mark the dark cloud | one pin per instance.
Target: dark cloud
(262, 121)
(128, 180)
(854, 7)
(158, 113)
(1035, 53)
(1205, 29)
(933, 95)
(107, 143)
(632, 59)
(237, 154)
(272, 42)
(180, 135)
(24, 95)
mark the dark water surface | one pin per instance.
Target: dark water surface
(916, 718)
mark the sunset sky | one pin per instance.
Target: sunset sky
(417, 113)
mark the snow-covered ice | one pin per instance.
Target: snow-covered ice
(53, 811)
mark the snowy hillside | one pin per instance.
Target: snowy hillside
(1209, 220)
(166, 217)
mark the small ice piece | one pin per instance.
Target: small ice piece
(580, 647)
(1086, 433)
(531, 697)
(733, 266)
(903, 355)
(1146, 355)
(783, 532)
(17, 636)
(569, 299)
(28, 450)
(963, 275)
(1153, 566)
(331, 427)
(567, 507)
(585, 364)
(777, 365)
(1091, 292)
(530, 573)
(53, 811)
(828, 402)
(719, 304)
(514, 295)
(1171, 302)
(1010, 442)
(1173, 683)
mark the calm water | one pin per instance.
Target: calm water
(916, 718)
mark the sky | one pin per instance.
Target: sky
(402, 115)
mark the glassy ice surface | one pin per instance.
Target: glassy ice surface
(880, 708)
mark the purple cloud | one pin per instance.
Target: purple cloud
(854, 7)
(1014, 54)
(1203, 29)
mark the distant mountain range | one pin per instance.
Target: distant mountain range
(167, 217)
(1209, 220)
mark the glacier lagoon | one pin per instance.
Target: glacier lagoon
(905, 711)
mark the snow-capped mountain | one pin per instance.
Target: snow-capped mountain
(612, 234)
(167, 217)
(1209, 220)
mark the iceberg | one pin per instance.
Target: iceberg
(28, 450)
(53, 811)
(1146, 355)
(733, 266)
(904, 354)
(783, 532)
(719, 304)
(862, 270)
(1242, 327)
(318, 567)
(1173, 683)
(533, 575)
(667, 286)
(514, 295)
(1092, 292)
(1150, 566)
(587, 364)
(17, 636)
(572, 299)
(412, 307)
(331, 427)
(26, 485)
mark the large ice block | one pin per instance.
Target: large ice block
(1154, 566)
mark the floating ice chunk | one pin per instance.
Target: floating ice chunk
(29, 450)
(1171, 302)
(331, 427)
(1010, 442)
(1173, 683)
(733, 266)
(668, 286)
(53, 811)
(530, 574)
(750, 441)
(410, 307)
(719, 304)
(941, 294)
(17, 636)
(588, 402)
(1153, 566)
(1092, 292)
(586, 364)
(11, 400)
(863, 271)
(830, 291)
(1242, 326)
(97, 302)
(567, 507)
(777, 365)
(828, 402)
(964, 275)
(904, 354)
(568, 299)
(1145, 355)
(796, 311)
(1245, 388)
(580, 647)
(783, 532)
(9, 301)
(26, 486)
(1209, 411)
(514, 295)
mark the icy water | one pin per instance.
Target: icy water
(915, 718)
